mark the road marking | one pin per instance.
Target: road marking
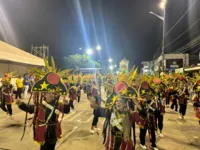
(89, 119)
(66, 137)
(79, 120)
(75, 116)
(67, 116)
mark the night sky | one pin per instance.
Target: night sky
(124, 28)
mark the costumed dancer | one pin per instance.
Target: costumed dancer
(79, 88)
(196, 99)
(7, 94)
(148, 123)
(47, 109)
(72, 96)
(160, 99)
(183, 95)
(117, 126)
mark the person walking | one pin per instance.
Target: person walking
(26, 83)
(183, 98)
(72, 96)
(7, 95)
(19, 83)
(79, 88)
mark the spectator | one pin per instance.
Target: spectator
(26, 83)
(19, 83)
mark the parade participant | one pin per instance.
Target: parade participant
(148, 124)
(117, 126)
(95, 103)
(19, 83)
(183, 98)
(7, 94)
(72, 96)
(48, 110)
(79, 88)
(26, 83)
(160, 98)
(89, 88)
(174, 96)
(182, 94)
(196, 99)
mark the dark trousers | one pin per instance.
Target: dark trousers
(174, 104)
(152, 136)
(95, 118)
(71, 103)
(3, 106)
(159, 120)
(167, 100)
(79, 97)
(18, 94)
(182, 109)
(48, 146)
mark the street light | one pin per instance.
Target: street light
(80, 48)
(115, 66)
(111, 67)
(89, 51)
(110, 60)
(98, 48)
(163, 7)
(163, 4)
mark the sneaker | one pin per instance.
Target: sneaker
(98, 129)
(155, 148)
(179, 116)
(161, 135)
(91, 131)
(182, 117)
(143, 146)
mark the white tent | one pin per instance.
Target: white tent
(12, 54)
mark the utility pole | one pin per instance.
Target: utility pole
(163, 42)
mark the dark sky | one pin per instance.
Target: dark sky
(124, 28)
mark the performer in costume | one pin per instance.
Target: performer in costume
(72, 95)
(7, 94)
(196, 99)
(148, 104)
(160, 99)
(48, 110)
(183, 95)
(117, 126)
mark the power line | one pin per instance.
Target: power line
(175, 25)
(189, 45)
(182, 33)
(185, 38)
(180, 18)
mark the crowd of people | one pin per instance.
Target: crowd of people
(131, 99)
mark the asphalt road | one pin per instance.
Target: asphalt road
(178, 134)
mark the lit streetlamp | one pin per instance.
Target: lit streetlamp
(163, 7)
(98, 48)
(111, 67)
(89, 51)
(110, 60)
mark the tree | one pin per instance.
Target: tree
(77, 60)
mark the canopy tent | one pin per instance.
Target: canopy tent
(12, 54)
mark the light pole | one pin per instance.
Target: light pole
(163, 7)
